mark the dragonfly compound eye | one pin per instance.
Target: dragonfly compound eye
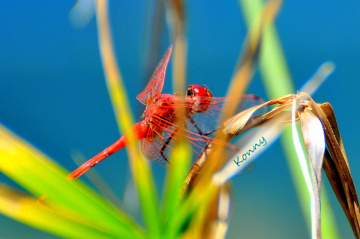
(189, 91)
(201, 97)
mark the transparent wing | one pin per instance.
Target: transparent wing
(207, 121)
(153, 89)
(151, 148)
(157, 145)
(198, 129)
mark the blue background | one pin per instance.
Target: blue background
(53, 94)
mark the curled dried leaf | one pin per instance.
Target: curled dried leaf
(314, 138)
(313, 134)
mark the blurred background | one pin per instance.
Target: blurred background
(53, 93)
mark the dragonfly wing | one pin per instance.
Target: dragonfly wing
(157, 146)
(151, 147)
(153, 89)
(207, 121)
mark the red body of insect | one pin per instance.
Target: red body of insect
(161, 121)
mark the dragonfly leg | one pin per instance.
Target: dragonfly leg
(166, 144)
(198, 128)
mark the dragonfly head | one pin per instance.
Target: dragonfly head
(200, 97)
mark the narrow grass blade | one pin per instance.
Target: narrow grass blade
(336, 167)
(251, 149)
(39, 175)
(249, 55)
(97, 180)
(205, 191)
(63, 223)
(114, 81)
(318, 78)
(140, 168)
(303, 164)
(212, 217)
(82, 13)
(223, 213)
(314, 139)
(151, 43)
(241, 77)
(180, 162)
(176, 18)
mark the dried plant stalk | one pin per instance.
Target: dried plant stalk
(335, 164)
(337, 169)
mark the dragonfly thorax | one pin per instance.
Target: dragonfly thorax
(162, 113)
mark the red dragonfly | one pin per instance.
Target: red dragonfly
(159, 126)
